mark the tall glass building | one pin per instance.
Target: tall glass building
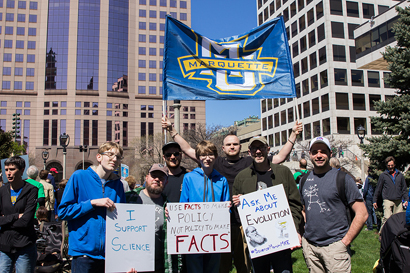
(334, 94)
(89, 68)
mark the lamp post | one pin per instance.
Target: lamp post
(45, 155)
(64, 141)
(361, 132)
(83, 148)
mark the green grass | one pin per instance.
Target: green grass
(365, 252)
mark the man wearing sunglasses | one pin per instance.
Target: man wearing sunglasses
(173, 155)
(87, 196)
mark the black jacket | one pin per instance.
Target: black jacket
(17, 232)
(390, 190)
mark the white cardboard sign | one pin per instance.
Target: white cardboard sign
(198, 228)
(267, 221)
(130, 238)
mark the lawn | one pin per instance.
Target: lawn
(365, 252)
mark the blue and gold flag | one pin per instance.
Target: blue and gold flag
(255, 65)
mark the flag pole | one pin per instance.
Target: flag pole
(164, 114)
(297, 112)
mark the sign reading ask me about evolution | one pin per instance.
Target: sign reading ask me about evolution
(202, 227)
(267, 221)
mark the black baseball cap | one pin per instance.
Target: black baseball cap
(169, 145)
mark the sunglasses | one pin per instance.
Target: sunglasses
(170, 154)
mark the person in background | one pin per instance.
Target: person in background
(18, 201)
(131, 181)
(32, 173)
(298, 175)
(52, 175)
(59, 195)
(49, 194)
(334, 163)
(368, 191)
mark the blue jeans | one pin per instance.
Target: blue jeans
(369, 206)
(85, 264)
(203, 263)
(24, 259)
(281, 262)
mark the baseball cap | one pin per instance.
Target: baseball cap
(258, 138)
(53, 170)
(159, 167)
(170, 144)
(319, 140)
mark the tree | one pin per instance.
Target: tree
(394, 119)
(8, 146)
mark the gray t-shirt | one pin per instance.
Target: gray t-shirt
(159, 222)
(326, 219)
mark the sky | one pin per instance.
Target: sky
(218, 19)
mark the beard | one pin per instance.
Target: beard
(258, 239)
(155, 190)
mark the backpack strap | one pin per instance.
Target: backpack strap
(341, 187)
(302, 181)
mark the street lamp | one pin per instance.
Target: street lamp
(83, 149)
(361, 132)
(45, 155)
(64, 141)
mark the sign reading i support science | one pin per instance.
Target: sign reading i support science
(198, 228)
(130, 238)
(267, 221)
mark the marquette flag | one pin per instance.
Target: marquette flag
(254, 65)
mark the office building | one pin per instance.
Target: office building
(334, 94)
(89, 68)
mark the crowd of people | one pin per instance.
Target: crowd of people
(316, 201)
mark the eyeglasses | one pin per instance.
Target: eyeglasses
(208, 155)
(170, 154)
(112, 155)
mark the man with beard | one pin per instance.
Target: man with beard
(255, 239)
(229, 166)
(172, 155)
(152, 195)
(261, 175)
(327, 232)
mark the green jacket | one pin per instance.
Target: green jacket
(246, 182)
(131, 197)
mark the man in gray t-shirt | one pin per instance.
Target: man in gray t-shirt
(327, 232)
(152, 194)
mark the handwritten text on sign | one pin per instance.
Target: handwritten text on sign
(198, 228)
(130, 238)
(267, 221)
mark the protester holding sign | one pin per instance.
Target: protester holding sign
(261, 175)
(87, 196)
(152, 194)
(327, 233)
(204, 184)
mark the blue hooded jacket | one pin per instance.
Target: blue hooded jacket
(86, 224)
(194, 186)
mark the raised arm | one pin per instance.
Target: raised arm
(186, 148)
(287, 148)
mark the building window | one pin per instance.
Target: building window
(343, 125)
(6, 85)
(337, 30)
(382, 8)
(31, 44)
(306, 109)
(372, 100)
(18, 85)
(357, 77)
(323, 79)
(315, 106)
(340, 76)
(6, 71)
(153, 90)
(308, 131)
(339, 53)
(152, 14)
(314, 85)
(386, 76)
(142, 77)
(183, 16)
(322, 55)
(152, 77)
(33, 5)
(142, 51)
(297, 87)
(336, 7)
(352, 9)
(302, 23)
(141, 63)
(304, 64)
(321, 32)
(326, 126)
(312, 60)
(290, 115)
(342, 101)
(8, 43)
(152, 51)
(31, 31)
(18, 71)
(142, 25)
(295, 49)
(294, 28)
(141, 89)
(152, 38)
(9, 30)
(10, 17)
(310, 17)
(142, 38)
(32, 18)
(285, 14)
(152, 26)
(296, 71)
(319, 10)
(312, 38)
(368, 10)
(373, 78)
(303, 44)
(10, 4)
(359, 102)
(325, 102)
(19, 44)
(31, 58)
(21, 31)
(352, 51)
